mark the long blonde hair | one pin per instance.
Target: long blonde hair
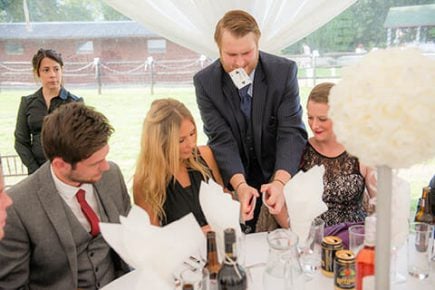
(159, 157)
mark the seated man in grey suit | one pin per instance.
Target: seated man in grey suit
(249, 104)
(52, 238)
(5, 202)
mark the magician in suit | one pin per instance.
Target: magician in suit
(250, 106)
(52, 239)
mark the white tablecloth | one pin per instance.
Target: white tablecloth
(257, 252)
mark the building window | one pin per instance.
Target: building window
(156, 45)
(85, 47)
(14, 48)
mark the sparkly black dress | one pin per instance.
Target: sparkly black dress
(343, 186)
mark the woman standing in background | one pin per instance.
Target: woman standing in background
(48, 68)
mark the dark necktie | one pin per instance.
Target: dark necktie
(89, 213)
(245, 101)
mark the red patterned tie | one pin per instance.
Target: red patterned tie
(89, 213)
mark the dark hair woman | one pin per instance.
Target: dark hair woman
(48, 68)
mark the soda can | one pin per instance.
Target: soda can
(330, 245)
(344, 270)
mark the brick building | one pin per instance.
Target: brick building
(125, 52)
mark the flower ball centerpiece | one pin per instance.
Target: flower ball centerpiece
(383, 109)
(383, 112)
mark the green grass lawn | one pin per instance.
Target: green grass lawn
(126, 109)
(320, 72)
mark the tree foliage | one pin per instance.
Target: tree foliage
(58, 10)
(362, 23)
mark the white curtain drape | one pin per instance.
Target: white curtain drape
(191, 23)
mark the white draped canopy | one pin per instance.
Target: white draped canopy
(191, 23)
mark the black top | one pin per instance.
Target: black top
(343, 186)
(181, 201)
(31, 113)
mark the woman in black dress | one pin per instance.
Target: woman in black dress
(171, 166)
(345, 180)
(48, 68)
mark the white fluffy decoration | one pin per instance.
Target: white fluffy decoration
(383, 109)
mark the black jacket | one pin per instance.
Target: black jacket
(31, 113)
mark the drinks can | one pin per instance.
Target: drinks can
(344, 270)
(330, 245)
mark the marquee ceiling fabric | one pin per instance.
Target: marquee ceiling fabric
(191, 23)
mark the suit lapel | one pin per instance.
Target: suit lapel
(54, 207)
(109, 206)
(232, 97)
(258, 105)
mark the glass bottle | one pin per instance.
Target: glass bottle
(424, 214)
(283, 269)
(231, 275)
(419, 205)
(212, 266)
(365, 260)
(432, 200)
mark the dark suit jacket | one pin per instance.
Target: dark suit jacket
(38, 249)
(278, 131)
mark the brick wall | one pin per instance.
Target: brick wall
(122, 60)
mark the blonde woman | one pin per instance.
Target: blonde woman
(346, 179)
(171, 166)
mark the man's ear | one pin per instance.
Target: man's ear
(59, 164)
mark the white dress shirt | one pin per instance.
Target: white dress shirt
(68, 193)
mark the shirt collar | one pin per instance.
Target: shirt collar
(63, 94)
(67, 190)
(252, 75)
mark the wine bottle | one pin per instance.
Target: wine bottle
(231, 275)
(365, 260)
(424, 214)
(212, 266)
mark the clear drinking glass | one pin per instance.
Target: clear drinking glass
(311, 249)
(356, 238)
(396, 277)
(420, 249)
(193, 277)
